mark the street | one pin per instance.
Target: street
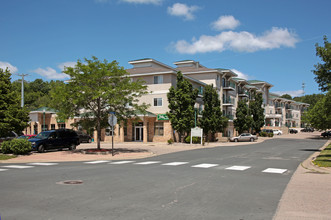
(240, 182)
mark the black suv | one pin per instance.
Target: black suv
(55, 139)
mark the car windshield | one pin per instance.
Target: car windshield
(43, 135)
(23, 137)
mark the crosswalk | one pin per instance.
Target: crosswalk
(146, 163)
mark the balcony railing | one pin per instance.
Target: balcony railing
(230, 85)
(278, 105)
(289, 116)
(230, 117)
(243, 92)
(228, 100)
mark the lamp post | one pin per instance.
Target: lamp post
(22, 90)
(43, 129)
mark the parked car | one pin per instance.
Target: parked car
(277, 132)
(83, 137)
(244, 137)
(9, 136)
(307, 130)
(293, 131)
(326, 134)
(268, 131)
(55, 139)
(27, 136)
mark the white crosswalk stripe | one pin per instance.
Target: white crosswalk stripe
(274, 170)
(18, 166)
(122, 162)
(97, 162)
(43, 164)
(241, 168)
(3, 170)
(148, 162)
(174, 163)
(205, 165)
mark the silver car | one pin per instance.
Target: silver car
(244, 137)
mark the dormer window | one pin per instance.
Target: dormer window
(158, 79)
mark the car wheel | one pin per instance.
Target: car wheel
(235, 140)
(72, 147)
(41, 149)
(252, 139)
(90, 140)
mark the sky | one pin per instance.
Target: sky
(268, 40)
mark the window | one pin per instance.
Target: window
(158, 128)
(44, 127)
(61, 126)
(52, 126)
(157, 101)
(158, 79)
(109, 131)
(270, 111)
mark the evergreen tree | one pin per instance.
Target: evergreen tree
(320, 115)
(212, 120)
(98, 88)
(243, 121)
(12, 116)
(181, 104)
(257, 112)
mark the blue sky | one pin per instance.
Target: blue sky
(269, 40)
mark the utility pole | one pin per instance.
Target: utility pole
(22, 90)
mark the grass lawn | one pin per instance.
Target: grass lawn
(6, 157)
(324, 159)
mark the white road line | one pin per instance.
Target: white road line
(43, 164)
(174, 163)
(3, 170)
(205, 165)
(122, 162)
(97, 161)
(241, 168)
(18, 166)
(274, 170)
(148, 162)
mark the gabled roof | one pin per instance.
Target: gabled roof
(44, 109)
(256, 82)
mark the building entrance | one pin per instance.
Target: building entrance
(138, 133)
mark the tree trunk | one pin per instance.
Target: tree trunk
(98, 134)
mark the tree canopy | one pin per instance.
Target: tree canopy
(212, 120)
(181, 100)
(257, 112)
(244, 120)
(286, 96)
(12, 116)
(95, 89)
(323, 70)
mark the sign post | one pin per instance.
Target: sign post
(112, 120)
(196, 132)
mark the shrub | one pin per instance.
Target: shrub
(5, 147)
(263, 134)
(170, 141)
(20, 146)
(270, 134)
(195, 140)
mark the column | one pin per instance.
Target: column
(122, 132)
(145, 130)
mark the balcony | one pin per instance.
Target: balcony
(273, 115)
(230, 117)
(278, 105)
(228, 101)
(243, 93)
(289, 116)
(289, 107)
(229, 85)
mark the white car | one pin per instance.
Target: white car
(277, 132)
(244, 137)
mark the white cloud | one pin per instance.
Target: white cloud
(240, 74)
(182, 10)
(225, 22)
(291, 93)
(4, 65)
(238, 41)
(50, 73)
(66, 64)
(155, 2)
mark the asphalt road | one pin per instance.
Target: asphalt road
(229, 183)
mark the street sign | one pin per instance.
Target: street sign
(196, 132)
(112, 120)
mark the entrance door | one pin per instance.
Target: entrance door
(139, 133)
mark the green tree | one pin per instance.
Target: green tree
(323, 70)
(12, 116)
(309, 99)
(212, 120)
(181, 104)
(243, 121)
(257, 112)
(320, 115)
(286, 96)
(98, 88)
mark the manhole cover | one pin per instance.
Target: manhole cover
(70, 182)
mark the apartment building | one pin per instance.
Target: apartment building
(155, 126)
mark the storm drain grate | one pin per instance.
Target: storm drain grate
(70, 182)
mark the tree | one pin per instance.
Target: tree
(98, 88)
(212, 120)
(12, 116)
(309, 99)
(243, 121)
(323, 70)
(257, 112)
(320, 115)
(181, 104)
(286, 96)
